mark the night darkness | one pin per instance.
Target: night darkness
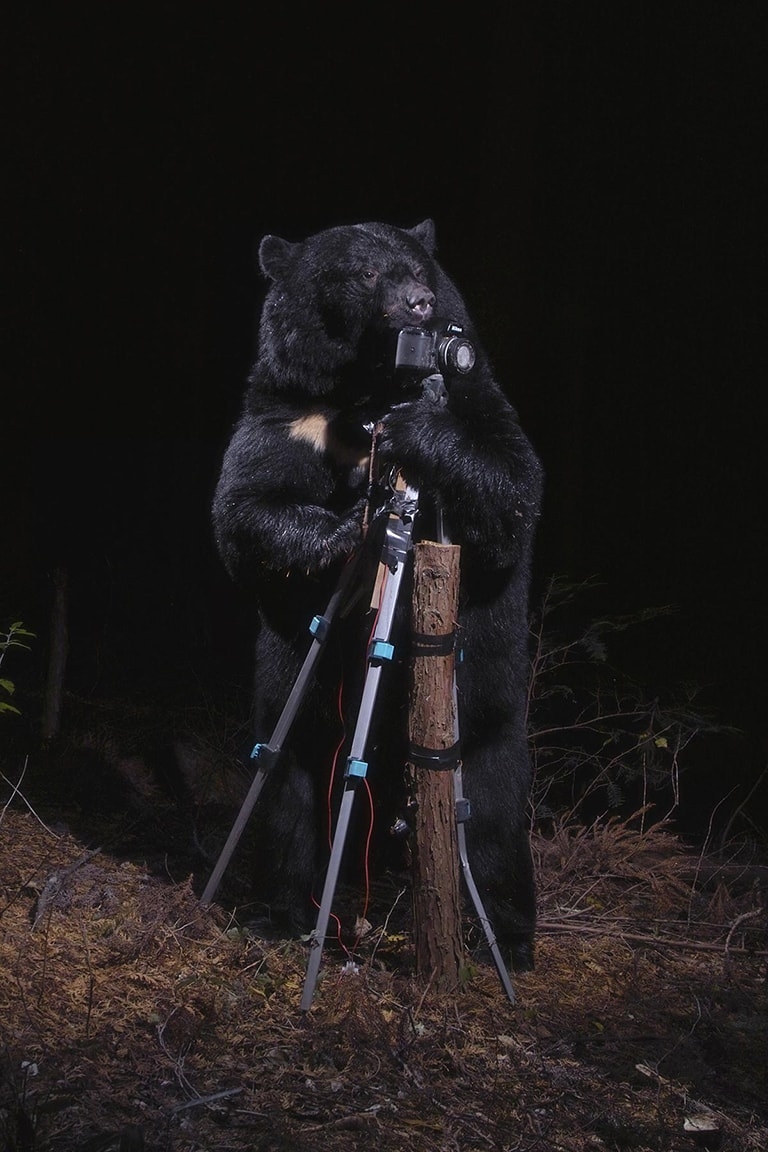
(597, 174)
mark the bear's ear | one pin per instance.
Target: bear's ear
(425, 234)
(274, 256)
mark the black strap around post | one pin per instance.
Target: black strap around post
(441, 759)
(423, 644)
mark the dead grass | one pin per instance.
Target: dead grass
(131, 1017)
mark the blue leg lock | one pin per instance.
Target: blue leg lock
(381, 650)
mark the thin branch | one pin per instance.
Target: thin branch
(16, 791)
(552, 927)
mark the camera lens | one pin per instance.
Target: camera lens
(457, 354)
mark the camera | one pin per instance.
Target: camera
(441, 348)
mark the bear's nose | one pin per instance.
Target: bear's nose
(420, 302)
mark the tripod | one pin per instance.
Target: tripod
(401, 509)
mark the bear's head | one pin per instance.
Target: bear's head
(335, 296)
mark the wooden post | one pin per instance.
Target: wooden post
(432, 732)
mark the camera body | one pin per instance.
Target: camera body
(440, 348)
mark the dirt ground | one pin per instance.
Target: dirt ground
(132, 1017)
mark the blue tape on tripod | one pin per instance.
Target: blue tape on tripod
(381, 650)
(356, 768)
(319, 627)
(264, 754)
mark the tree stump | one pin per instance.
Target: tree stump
(432, 732)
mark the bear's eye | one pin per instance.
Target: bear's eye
(418, 273)
(369, 275)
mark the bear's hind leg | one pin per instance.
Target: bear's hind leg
(502, 867)
(286, 850)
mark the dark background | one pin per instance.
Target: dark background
(597, 174)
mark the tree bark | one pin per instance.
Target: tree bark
(433, 730)
(57, 658)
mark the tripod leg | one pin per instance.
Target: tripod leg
(396, 547)
(267, 754)
(462, 814)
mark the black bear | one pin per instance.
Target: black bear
(294, 492)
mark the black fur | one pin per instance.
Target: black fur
(288, 511)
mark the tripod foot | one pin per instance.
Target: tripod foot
(517, 956)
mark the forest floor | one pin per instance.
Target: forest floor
(134, 1018)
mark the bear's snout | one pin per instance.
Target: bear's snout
(420, 302)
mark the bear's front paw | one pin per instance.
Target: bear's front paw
(412, 435)
(404, 428)
(347, 535)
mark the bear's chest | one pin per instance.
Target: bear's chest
(340, 442)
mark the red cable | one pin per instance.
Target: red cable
(371, 814)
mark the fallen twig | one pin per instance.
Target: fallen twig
(609, 929)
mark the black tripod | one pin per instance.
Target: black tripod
(401, 511)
